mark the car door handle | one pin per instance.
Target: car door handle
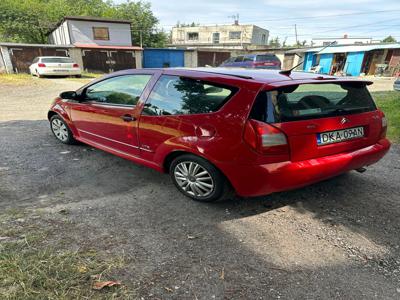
(128, 118)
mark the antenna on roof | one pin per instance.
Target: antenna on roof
(288, 72)
(235, 19)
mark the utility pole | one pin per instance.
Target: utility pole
(295, 32)
(141, 38)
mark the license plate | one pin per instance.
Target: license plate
(59, 70)
(337, 136)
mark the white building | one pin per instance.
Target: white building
(345, 40)
(100, 45)
(91, 31)
(220, 36)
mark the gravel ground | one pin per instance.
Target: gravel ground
(337, 239)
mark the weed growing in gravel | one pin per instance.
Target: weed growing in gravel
(29, 269)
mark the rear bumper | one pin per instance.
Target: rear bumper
(49, 72)
(257, 180)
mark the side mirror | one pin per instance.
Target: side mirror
(71, 95)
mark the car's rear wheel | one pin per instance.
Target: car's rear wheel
(61, 130)
(198, 179)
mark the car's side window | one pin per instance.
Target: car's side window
(174, 95)
(122, 90)
(249, 58)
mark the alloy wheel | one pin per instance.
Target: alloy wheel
(60, 130)
(193, 179)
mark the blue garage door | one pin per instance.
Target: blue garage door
(163, 58)
(353, 63)
(309, 61)
(325, 61)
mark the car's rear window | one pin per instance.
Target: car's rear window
(267, 57)
(309, 101)
(60, 60)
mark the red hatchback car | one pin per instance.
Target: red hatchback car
(256, 131)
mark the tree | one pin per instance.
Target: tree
(143, 22)
(30, 20)
(389, 39)
(193, 24)
(275, 43)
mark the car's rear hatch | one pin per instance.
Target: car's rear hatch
(321, 119)
(59, 63)
(267, 61)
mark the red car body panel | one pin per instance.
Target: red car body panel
(218, 136)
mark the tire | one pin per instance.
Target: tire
(210, 184)
(61, 130)
(78, 76)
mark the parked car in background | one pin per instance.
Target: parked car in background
(213, 129)
(54, 66)
(258, 61)
(396, 85)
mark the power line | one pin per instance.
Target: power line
(301, 18)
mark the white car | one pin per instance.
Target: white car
(396, 85)
(54, 66)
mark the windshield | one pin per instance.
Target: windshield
(309, 101)
(56, 60)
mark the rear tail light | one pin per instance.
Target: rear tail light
(41, 65)
(265, 138)
(265, 63)
(75, 66)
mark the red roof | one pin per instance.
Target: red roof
(94, 46)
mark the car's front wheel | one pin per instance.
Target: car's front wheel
(61, 130)
(198, 179)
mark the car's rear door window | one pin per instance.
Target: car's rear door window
(120, 90)
(248, 58)
(239, 59)
(308, 101)
(174, 95)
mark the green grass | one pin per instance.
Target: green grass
(31, 269)
(389, 102)
(24, 78)
(15, 78)
(86, 76)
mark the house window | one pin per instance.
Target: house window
(215, 38)
(101, 33)
(193, 36)
(263, 37)
(235, 35)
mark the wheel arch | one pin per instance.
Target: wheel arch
(50, 114)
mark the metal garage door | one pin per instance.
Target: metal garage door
(123, 60)
(210, 58)
(163, 58)
(22, 57)
(106, 61)
(95, 61)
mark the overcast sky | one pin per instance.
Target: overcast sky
(329, 17)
